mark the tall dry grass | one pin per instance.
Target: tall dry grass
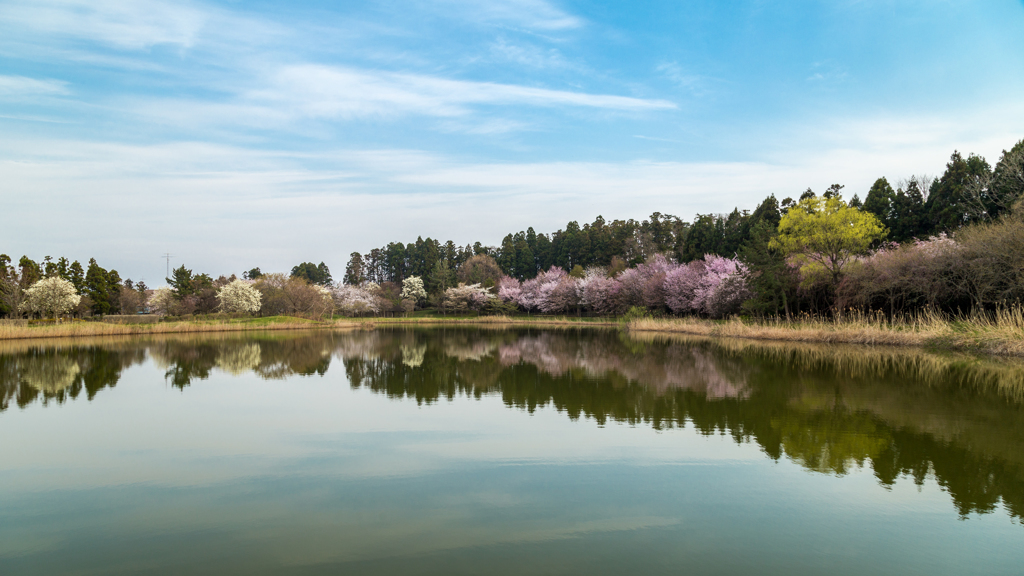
(1000, 333)
(480, 320)
(91, 329)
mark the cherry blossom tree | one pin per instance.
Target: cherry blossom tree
(51, 296)
(239, 296)
(412, 289)
(466, 297)
(510, 289)
(353, 300)
(715, 296)
(161, 301)
(681, 284)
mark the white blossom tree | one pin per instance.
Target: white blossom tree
(412, 289)
(161, 301)
(239, 296)
(467, 297)
(353, 300)
(51, 297)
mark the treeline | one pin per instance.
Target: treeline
(102, 290)
(969, 191)
(969, 194)
(954, 243)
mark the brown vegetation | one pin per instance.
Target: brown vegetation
(83, 329)
(999, 333)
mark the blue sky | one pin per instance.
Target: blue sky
(240, 134)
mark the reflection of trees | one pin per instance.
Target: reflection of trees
(904, 413)
(270, 357)
(51, 374)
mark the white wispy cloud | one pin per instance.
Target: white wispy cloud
(695, 84)
(24, 86)
(528, 54)
(328, 91)
(130, 24)
(303, 92)
(530, 14)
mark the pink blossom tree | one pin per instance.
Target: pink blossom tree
(681, 285)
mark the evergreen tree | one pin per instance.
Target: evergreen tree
(354, 272)
(77, 276)
(1007, 184)
(525, 267)
(181, 282)
(947, 207)
(30, 272)
(879, 201)
(313, 273)
(705, 237)
(773, 281)
(908, 216)
(97, 287)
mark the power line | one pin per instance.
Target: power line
(168, 255)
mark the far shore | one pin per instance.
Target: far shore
(1002, 335)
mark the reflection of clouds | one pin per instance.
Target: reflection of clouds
(50, 374)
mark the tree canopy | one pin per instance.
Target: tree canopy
(825, 233)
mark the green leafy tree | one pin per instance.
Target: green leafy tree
(254, 274)
(313, 273)
(825, 235)
(442, 277)
(480, 269)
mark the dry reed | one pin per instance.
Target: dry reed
(90, 329)
(1000, 333)
(371, 323)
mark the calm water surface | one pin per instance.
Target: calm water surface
(505, 452)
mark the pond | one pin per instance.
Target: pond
(505, 451)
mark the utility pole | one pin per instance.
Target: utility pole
(167, 256)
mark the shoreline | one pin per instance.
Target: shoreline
(92, 329)
(1002, 336)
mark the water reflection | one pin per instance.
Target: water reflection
(902, 413)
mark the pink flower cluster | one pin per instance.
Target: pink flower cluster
(714, 286)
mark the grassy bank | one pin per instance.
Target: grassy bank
(82, 329)
(1001, 333)
(525, 321)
